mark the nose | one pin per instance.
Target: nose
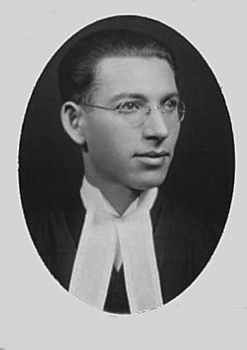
(155, 126)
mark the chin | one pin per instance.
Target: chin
(150, 180)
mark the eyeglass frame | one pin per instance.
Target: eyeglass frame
(147, 109)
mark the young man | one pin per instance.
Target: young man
(126, 247)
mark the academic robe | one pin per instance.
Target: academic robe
(183, 246)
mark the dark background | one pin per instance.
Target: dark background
(202, 172)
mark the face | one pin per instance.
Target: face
(135, 157)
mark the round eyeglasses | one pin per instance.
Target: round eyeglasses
(136, 112)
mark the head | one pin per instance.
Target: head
(109, 69)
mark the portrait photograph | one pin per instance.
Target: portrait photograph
(126, 164)
(123, 177)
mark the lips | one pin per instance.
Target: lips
(153, 154)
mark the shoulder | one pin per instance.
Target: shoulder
(55, 224)
(184, 220)
(55, 229)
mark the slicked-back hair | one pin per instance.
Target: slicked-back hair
(77, 69)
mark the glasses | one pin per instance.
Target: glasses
(136, 112)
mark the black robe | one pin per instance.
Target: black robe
(183, 245)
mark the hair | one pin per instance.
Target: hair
(77, 69)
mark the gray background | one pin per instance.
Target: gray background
(36, 313)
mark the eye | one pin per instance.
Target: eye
(170, 105)
(129, 107)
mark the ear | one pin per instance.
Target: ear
(72, 117)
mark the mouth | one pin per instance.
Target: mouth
(153, 158)
(153, 154)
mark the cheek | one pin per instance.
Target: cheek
(108, 142)
(97, 134)
(109, 134)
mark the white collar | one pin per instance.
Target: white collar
(92, 197)
(103, 234)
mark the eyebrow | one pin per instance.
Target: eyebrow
(141, 96)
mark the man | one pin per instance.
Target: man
(125, 247)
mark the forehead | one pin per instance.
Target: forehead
(149, 76)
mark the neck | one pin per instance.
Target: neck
(118, 196)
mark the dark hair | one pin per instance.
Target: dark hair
(78, 66)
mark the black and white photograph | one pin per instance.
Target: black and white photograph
(126, 164)
(123, 175)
